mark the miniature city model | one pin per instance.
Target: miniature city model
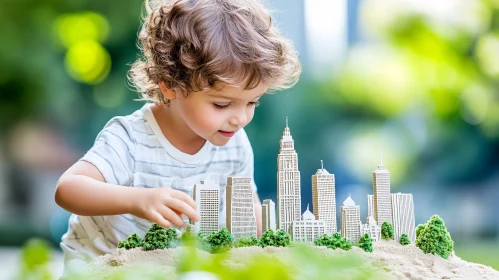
(396, 209)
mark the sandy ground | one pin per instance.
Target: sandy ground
(399, 262)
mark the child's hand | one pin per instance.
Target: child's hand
(163, 206)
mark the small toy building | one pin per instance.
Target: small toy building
(382, 204)
(324, 198)
(207, 197)
(350, 220)
(308, 228)
(240, 214)
(372, 229)
(268, 215)
(403, 216)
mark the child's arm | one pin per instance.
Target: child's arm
(258, 213)
(83, 190)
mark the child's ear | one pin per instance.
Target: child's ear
(168, 93)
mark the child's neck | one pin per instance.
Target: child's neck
(176, 131)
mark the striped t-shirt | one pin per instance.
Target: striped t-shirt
(132, 151)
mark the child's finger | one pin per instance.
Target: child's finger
(160, 220)
(171, 216)
(182, 207)
(184, 197)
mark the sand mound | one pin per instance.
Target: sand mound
(397, 261)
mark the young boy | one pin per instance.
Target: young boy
(206, 64)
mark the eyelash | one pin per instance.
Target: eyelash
(222, 107)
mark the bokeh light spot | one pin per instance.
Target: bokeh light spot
(74, 28)
(88, 62)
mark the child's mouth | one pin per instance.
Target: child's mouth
(226, 133)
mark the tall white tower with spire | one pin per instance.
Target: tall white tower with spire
(324, 198)
(288, 182)
(382, 200)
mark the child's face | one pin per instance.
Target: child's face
(217, 115)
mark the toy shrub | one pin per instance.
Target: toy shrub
(246, 242)
(282, 238)
(279, 238)
(333, 241)
(434, 238)
(387, 231)
(366, 243)
(219, 241)
(419, 229)
(132, 241)
(158, 237)
(404, 239)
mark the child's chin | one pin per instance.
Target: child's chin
(219, 142)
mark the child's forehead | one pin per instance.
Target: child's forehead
(237, 92)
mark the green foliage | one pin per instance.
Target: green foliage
(387, 231)
(158, 237)
(366, 243)
(35, 260)
(333, 241)
(246, 242)
(282, 238)
(219, 241)
(279, 238)
(267, 239)
(345, 244)
(434, 238)
(323, 240)
(132, 241)
(404, 239)
(419, 229)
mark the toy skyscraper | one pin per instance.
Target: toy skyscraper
(288, 182)
(324, 198)
(268, 215)
(240, 214)
(382, 201)
(403, 216)
(350, 220)
(206, 195)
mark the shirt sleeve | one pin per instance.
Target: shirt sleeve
(247, 160)
(113, 154)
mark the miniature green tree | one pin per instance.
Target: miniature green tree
(404, 239)
(267, 239)
(158, 237)
(366, 243)
(333, 241)
(282, 238)
(434, 238)
(279, 238)
(132, 241)
(324, 240)
(337, 241)
(419, 229)
(345, 244)
(387, 231)
(219, 241)
(246, 242)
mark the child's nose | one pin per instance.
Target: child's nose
(239, 119)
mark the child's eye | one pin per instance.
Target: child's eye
(221, 106)
(256, 103)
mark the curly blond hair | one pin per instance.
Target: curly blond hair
(192, 45)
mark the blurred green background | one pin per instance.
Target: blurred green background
(417, 81)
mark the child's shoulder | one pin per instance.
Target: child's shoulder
(133, 126)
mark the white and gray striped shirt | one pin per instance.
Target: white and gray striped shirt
(132, 151)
